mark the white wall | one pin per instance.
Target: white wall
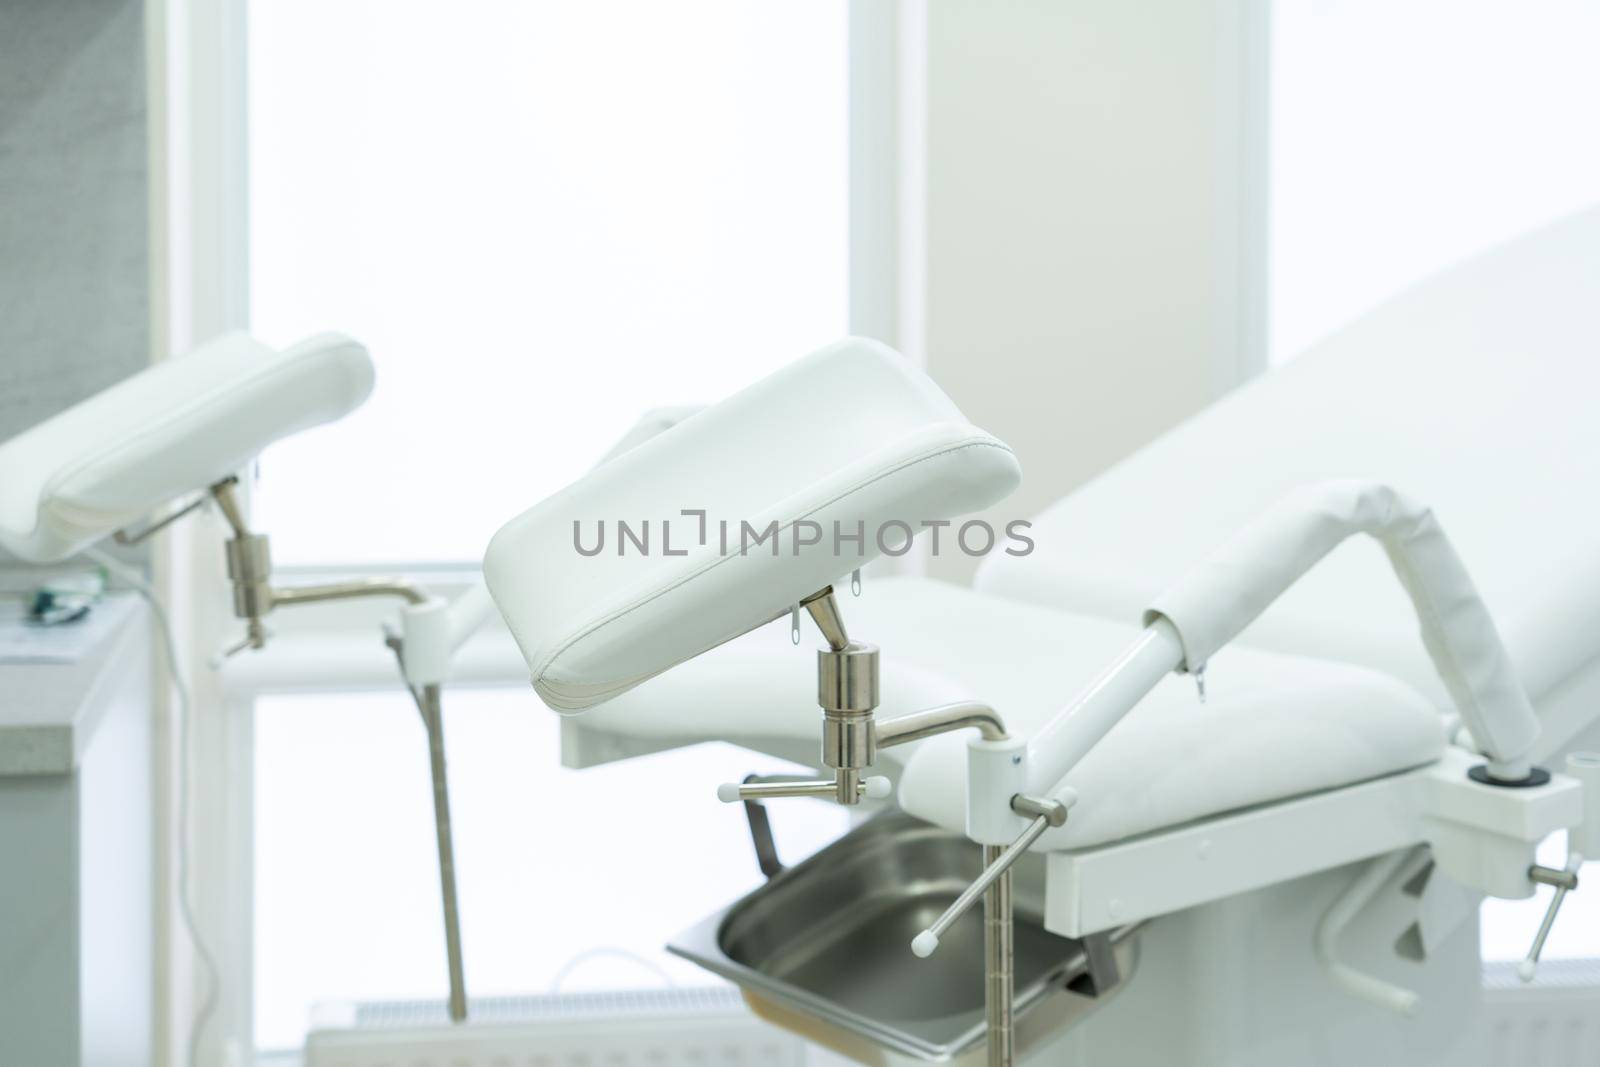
(74, 230)
(1407, 137)
(1093, 180)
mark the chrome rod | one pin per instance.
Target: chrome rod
(433, 719)
(924, 943)
(918, 725)
(999, 964)
(348, 590)
(848, 785)
(123, 537)
(1565, 881)
(1544, 927)
(1561, 878)
(767, 790)
(875, 787)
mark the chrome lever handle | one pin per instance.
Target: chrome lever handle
(1047, 813)
(925, 943)
(255, 637)
(1565, 881)
(875, 787)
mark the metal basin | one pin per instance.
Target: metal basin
(824, 948)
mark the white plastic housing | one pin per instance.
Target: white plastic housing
(425, 631)
(433, 631)
(996, 772)
(1585, 837)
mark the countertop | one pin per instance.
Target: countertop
(49, 711)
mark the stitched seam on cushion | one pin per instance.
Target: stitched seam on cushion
(606, 620)
(271, 369)
(1427, 608)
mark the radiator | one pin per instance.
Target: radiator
(704, 1027)
(1553, 1021)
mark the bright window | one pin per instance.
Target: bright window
(550, 863)
(1407, 136)
(543, 220)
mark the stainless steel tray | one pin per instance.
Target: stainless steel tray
(825, 948)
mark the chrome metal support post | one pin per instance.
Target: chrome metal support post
(874, 787)
(430, 705)
(847, 691)
(994, 870)
(249, 558)
(998, 965)
(994, 886)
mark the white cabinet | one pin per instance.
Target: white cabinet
(76, 911)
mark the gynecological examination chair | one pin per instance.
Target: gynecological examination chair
(172, 438)
(1228, 785)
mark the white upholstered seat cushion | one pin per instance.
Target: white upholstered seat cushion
(166, 432)
(1274, 726)
(852, 435)
(1473, 392)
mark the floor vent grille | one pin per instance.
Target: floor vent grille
(1553, 1020)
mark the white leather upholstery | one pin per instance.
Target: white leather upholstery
(166, 432)
(760, 690)
(852, 434)
(1273, 726)
(1474, 392)
(1228, 590)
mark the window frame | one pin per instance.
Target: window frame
(198, 55)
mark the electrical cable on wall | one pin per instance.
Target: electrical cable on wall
(208, 963)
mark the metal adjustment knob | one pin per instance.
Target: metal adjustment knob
(255, 636)
(1046, 812)
(1565, 881)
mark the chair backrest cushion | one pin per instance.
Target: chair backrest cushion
(166, 432)
(745, 508)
